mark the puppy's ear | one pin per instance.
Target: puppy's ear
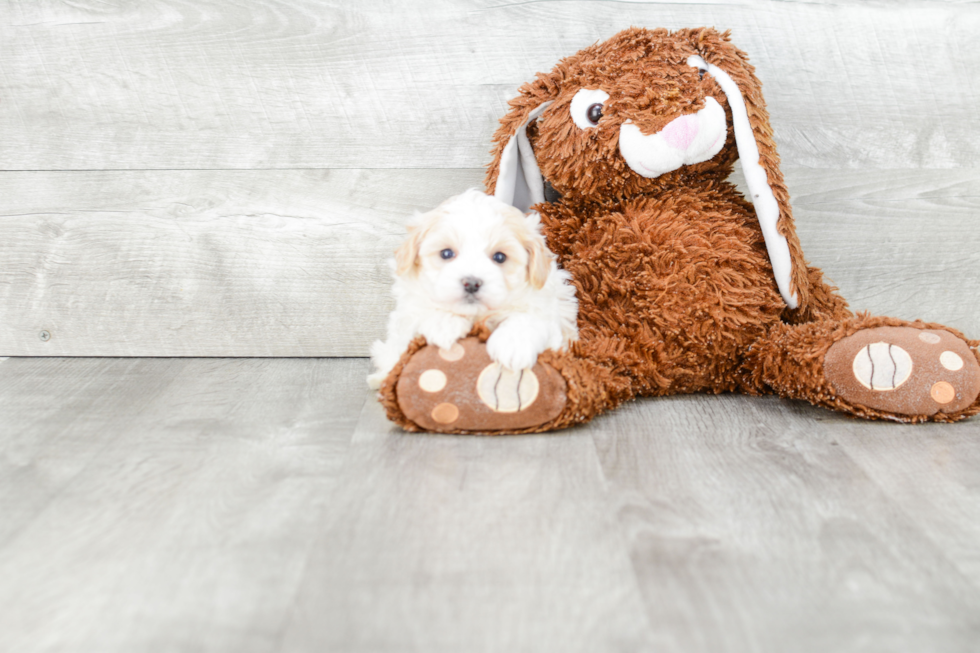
(538, 255)
(760, 161)
(513, 176)
(407, 254)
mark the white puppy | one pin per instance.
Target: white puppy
(471, 259)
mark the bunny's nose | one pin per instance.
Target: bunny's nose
(680, 133)
(471, 284)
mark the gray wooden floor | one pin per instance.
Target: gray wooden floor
(266, 505)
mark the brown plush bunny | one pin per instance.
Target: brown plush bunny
(683, 285)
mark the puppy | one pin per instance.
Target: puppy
(477, 259)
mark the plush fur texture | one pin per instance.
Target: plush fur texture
(676, 288)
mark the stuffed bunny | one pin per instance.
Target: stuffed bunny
(683, 284)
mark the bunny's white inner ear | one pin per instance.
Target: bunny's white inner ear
(519, 180)
(766, 206)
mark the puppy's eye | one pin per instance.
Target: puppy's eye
(587, 106)
(499, 257)
(701, 72)
(447, 254)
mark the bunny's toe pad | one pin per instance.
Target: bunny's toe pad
(462, 390)
(904, 370)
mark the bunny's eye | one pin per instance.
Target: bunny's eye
(587, 106)
(594, 114)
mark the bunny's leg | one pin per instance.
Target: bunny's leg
(872, 367)
(461, 390)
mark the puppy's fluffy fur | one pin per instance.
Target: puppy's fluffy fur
(476, 259)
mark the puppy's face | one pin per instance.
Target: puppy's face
(472, 253)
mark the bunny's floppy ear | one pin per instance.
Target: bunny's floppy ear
(513, 176)
(519, 180)
(757, 151)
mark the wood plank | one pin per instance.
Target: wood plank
(751, 529)
(292, 263)
(232, 263)
(325, 84)
(54, 412)
(934, 475)
(468, 544)
(180, 521)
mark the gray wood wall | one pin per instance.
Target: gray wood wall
(216, 178)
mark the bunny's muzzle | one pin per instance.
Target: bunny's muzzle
(686, 140)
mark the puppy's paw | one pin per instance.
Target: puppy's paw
(374, 380)
(513, 349)
(444, 331)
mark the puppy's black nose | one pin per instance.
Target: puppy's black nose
(471, 284)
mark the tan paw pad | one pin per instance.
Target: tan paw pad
(505, 391)
(950, 361)
(904, 371)
(942, 392)
(432, 380)
(454, 353)
(882, 366)
(445, 413)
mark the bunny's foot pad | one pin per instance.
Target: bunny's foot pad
(904, 370)
(461, 390)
